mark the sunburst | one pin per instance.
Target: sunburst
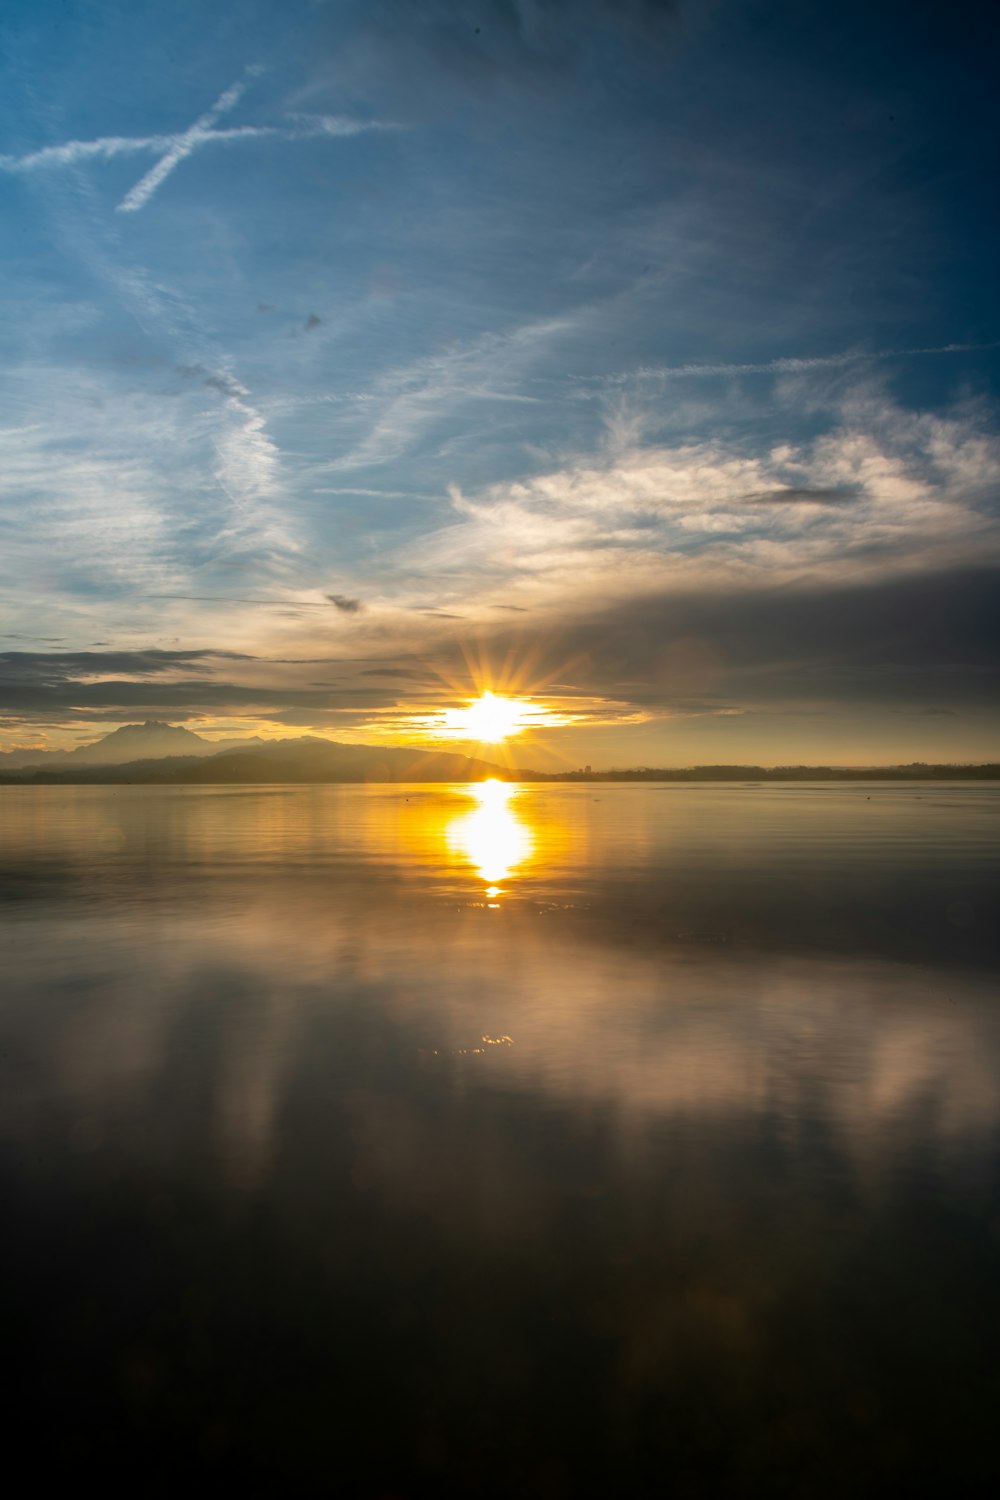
(490, 718)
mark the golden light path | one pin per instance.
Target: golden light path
(492, 837)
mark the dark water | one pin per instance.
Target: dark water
(619, 1140)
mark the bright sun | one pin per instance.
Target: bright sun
(490, 718)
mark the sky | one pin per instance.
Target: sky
(635, 358)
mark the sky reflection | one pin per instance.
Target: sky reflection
(299, 1139)
(632, 980)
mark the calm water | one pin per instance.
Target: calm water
(586, 1139)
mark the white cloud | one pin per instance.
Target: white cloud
(885, 491)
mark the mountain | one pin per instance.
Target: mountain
(153, 740)
(314, 760)
(12, 760)
(308, 760)
(156, 753)
(149, 741)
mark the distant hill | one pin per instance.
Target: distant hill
(160, 754)
(915, 771)
(12, 760)
(309, 760)
(165, 754)
(152, 740)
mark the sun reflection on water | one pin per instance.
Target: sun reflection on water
(492, 837)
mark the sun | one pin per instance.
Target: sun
(490, 718)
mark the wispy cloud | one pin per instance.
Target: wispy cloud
(404, 403)
(795, 365)
(131, 496)
(247, 471)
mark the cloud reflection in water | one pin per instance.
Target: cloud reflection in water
(651, 1140)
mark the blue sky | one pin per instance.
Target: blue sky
(643, 356)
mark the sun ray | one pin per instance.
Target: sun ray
(491, 718)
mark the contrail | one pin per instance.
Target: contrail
(70, 152)
(176, 147)
(182, 146)
(792, 364)
(107, 147)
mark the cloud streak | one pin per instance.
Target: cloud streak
(404, 404)
(797, 365)
(108, 147)
(177, 147)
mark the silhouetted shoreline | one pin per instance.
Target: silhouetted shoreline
(918, 771)
(252, 768)
(155, 753)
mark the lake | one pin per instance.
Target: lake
(533, 1141)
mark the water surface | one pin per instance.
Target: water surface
(536, 1141)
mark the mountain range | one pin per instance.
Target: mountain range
(166, 753)
(150, 741)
